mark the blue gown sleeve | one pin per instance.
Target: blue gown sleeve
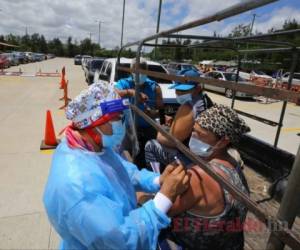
(142, 180)
(99, 223)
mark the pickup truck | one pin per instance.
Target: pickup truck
(107, 74)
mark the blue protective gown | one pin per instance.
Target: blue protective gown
(90, 200)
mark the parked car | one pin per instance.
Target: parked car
(296, 78)
(28, 56)
(84, 60)
(175, 68)
(91, 67)
(35, 57)
(13, 60)
(259, 73)
(50, 56)
(109, 75)
(4, 62)
(243, 74)
(77, 59)
(284, 79)
(226, 76)
(21, 56)
(39, 57)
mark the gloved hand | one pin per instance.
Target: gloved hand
(174, 182)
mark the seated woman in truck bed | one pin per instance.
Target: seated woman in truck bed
(207, 216)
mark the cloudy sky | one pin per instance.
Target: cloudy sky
(79, 18)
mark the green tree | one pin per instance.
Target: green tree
(240, 30)
(43, 46)
(56, 47)
(290, 24)
(86, 46)
(70, 47)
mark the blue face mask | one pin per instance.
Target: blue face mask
(181, 99)
(143, 78)
(118, 133)
(199, 147)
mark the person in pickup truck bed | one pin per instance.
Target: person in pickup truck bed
(193, 101)
(207, 216)
(151, 103)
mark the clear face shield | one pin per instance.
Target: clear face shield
(130, 141)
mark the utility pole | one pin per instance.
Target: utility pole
(157, 25)
(99, 33)
(122, 31)
(99, 30)
(250, 33)
(251, 27)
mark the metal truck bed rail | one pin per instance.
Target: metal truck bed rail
(284, 235)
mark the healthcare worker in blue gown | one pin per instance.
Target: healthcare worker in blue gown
(90, 194)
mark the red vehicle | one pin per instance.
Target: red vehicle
(4, 62)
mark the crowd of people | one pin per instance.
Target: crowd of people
(91, 193)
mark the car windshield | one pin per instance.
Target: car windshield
(189, 67)
(231, 77)
(160, 69)
(96, 64)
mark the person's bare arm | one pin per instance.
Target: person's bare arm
(189, 198)
(125, 92)
(181, 127)
(159, 98)
(131, 93)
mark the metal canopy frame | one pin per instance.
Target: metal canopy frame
(235, 41)
(285, 235)
(292, 48)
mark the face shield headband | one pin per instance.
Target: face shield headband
(102, 114)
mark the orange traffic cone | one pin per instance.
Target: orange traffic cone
(50, 141)
(63, 79)
(62, 82)
(65, 96)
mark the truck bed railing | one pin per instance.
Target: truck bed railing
(283, 235)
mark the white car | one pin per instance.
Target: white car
(226, 76)
(296, 78)
(260, 74)
(84, 60)
(109, 75)
(246, 76)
